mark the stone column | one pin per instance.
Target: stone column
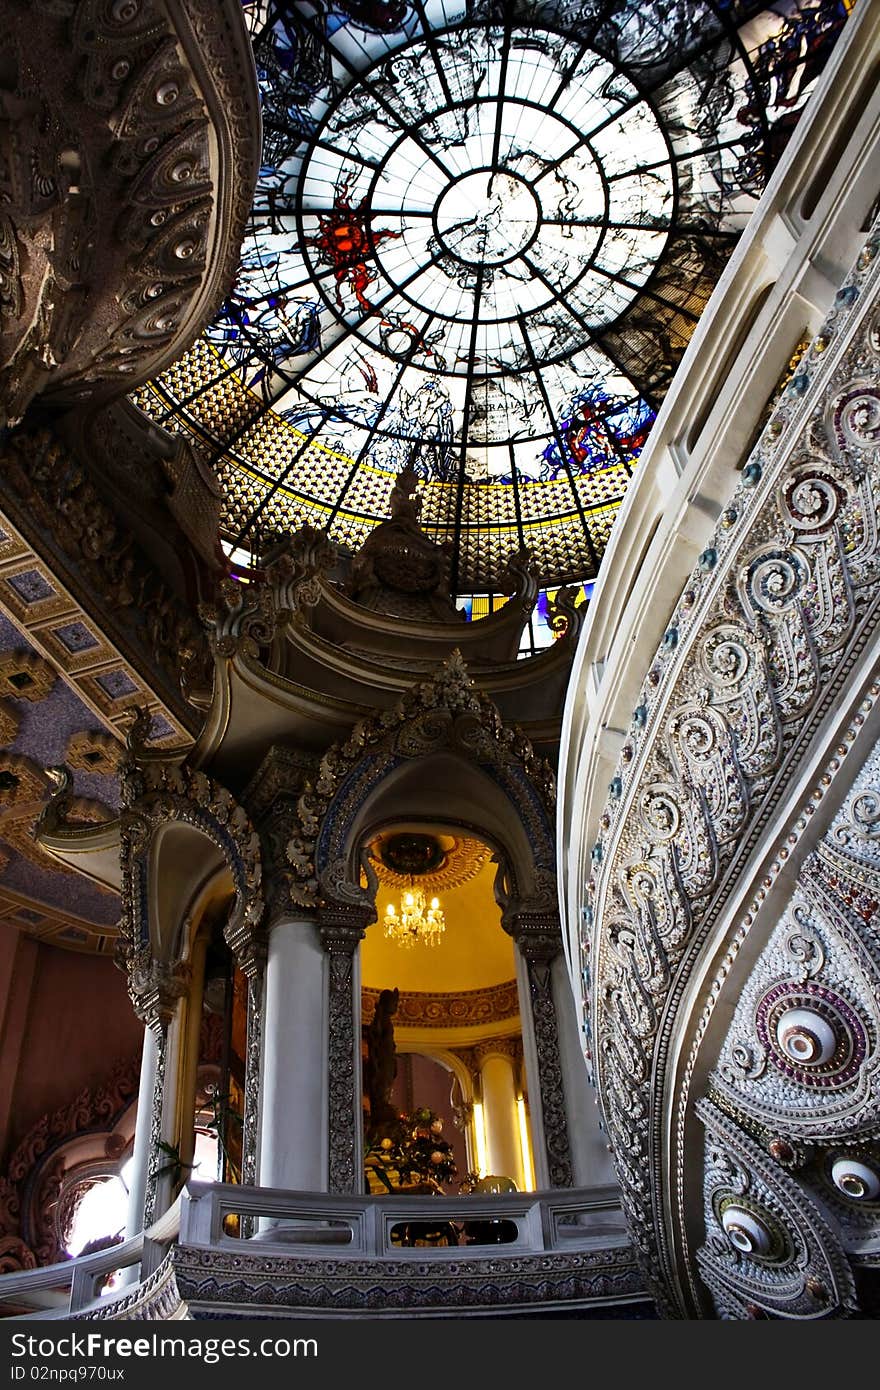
(342, 929)
(293, 1107)
(539, 942)
(498, 1067)
(137, 1183)
(158, 993)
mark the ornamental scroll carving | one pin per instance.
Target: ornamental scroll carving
(246, 617)
(781, 606)
(133, 145)
(446, 712)
(796, 1090)
(157, 791)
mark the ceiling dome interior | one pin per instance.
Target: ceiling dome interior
(481, 238)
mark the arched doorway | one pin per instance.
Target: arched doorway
(458, 1029)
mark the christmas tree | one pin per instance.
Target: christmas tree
(410, 1152)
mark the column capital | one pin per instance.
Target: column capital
(155, 987)
(511, 1048)
(537, 934)
(342, 925)
(249, 946)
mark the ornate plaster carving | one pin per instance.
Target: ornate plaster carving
(342, 928)
(465, 1009)
(9, 722)
(246, 617)
(770, 1249)
(54, 503)
(26, 676)
(551, 1090)
(105, 277)
(91, 751)
(447, 712)
(217, 1278)
(31, 1226)
(157, 791)
(770, 624)
(797, 1071)
(155, 1299)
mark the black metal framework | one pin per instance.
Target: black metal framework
(480, 242)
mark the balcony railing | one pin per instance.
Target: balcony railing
(223, 1217)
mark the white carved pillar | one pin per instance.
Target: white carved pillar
(137, 1183)
(498, 1084)
(591, 1161)
(293, 1111)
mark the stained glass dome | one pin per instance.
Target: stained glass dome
(481, 239)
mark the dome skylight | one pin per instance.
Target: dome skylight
(480, 242)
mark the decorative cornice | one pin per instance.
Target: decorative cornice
(131, 620)
(467, 1009)
(770, 624)
(447, 711)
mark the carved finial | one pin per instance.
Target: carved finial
(456, 666)
(139, 731)
(54, 813)
(405, 502)
(519, 578)
(563, 615)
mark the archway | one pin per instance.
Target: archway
(458, 1029)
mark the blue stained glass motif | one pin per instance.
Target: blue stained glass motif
(481, 238)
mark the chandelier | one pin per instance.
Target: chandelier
(416, 919)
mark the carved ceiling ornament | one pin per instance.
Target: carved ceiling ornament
(93, 751)
(9, 723)
(446, 712)
(156, 791)
(26, 676)
(85, 540)
(781, 604)
(104, 277)
(459, 859)
(22, 782)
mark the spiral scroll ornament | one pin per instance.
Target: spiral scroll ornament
(810, 501)
(775, 579)
(725, 657)
(857, 419)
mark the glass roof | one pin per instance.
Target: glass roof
(481, 238)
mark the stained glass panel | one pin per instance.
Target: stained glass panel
(481, 238)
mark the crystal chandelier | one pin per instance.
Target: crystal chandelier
(415, 920)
